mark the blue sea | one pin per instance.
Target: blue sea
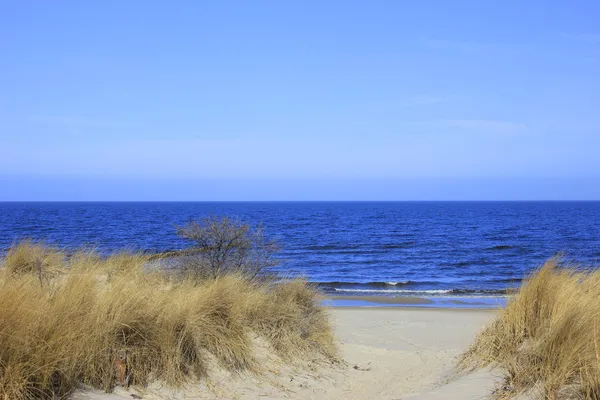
(367, 248)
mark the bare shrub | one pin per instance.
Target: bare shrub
(223, 245)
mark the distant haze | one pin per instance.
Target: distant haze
(299, 100)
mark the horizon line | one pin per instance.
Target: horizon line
(311, 201)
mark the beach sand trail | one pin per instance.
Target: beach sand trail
(397, 353)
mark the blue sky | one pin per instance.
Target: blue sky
(282, 100)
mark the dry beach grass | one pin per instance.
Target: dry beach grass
(64, 317)
(547, 340)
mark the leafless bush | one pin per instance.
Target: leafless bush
(223, 245)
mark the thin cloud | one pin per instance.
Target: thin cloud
(426, 99)
(73, 122)
(479, 126)
(474, 47)
(590, 38)
(456, 45)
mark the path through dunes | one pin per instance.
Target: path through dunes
(389, 353)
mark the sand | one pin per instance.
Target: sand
(390, 354)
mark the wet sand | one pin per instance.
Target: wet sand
(442, 302)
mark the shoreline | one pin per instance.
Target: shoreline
(438, 302)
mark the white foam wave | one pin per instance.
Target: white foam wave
(432, 291)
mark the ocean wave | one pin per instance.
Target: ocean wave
(490, 292)
(399, 245)
(333, 247)
(397, 291)
(359, 247)
(506, 280)
(501, 247)
(369, 284)
(460, 264)
(455, 292)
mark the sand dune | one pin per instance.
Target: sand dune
(389, 353)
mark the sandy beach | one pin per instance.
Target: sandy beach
(389, 353)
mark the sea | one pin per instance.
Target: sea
(463, 249)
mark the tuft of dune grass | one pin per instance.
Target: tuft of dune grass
(32, 258)
(547, 340)
(65, 330)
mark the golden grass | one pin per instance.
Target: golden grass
(547, 340)
(62, 320)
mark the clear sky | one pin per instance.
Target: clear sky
(299, 100)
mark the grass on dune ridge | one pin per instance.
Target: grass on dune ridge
(547, 340)
(62, 318)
